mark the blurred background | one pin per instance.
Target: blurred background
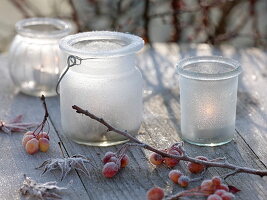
(242, 23)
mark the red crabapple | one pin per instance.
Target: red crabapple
(107, 156)
(42, 135)
(195, 167)
(174, 175)
(156, 159)
(32, 146)
(207, 187)
(155, 193)
(26, 138)
(110, 169)
(171, 162)
(43, 144)
(214, 197)
(28, 133)
(220, 192)
(223, 187)
(227, 196)
(216, 180)
(124, 161)
(183, 181)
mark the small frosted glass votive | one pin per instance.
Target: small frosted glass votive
(208, 94)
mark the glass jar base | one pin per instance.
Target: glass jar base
(210, 144)
(36, 93)
(101, 144)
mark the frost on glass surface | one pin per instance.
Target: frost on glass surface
(208, 68)
(116, 98)
(100, 45)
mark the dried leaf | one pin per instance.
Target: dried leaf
(65, 165)
(43, 191)
(233, 189)
(16, 125)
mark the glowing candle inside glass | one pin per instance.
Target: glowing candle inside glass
(208, 93)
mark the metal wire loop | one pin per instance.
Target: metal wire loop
(71, 61)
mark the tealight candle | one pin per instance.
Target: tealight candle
(208, 94)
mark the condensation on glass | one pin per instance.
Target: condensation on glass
(106, 82)
(35, 60)
(208, 94)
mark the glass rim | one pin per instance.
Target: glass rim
(134, 43)
(64, 28)
(236, 68)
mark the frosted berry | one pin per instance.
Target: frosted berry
(183, 181)
(26, 138)
(155, 193)
(223, 187)
(216, 180)
(174, 175)
(214, 197)
(220, 192)
(110, 169)
(107, 156)
(29, 133)
(113, 159)
(32, 146)
(42, 135)
(156, 159)
(207, 187)
(227, 196)
(43, 144)
(174, 152)
(195, 167)
(124, 161)
(170, 162)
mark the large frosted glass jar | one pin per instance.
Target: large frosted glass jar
(34, 56)
(106, 81)
(208, 93)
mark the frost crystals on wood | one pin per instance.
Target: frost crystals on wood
(66, 165)
(43, 191)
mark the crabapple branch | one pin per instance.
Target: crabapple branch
(46, 115)
(183, 156)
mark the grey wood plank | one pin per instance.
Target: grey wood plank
(14, 161)
(161, 128)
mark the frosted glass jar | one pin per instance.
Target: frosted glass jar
(208, 93)
(106, 82)
(34, 56)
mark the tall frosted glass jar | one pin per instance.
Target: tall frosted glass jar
(34, 56)
(106, 81)
(208, 94)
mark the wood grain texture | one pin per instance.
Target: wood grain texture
(160, 128)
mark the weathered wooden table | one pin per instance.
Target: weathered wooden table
(161, 128)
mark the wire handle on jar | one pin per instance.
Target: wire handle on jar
(71, 61)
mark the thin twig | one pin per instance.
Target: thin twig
(46, 115)
(183, 157)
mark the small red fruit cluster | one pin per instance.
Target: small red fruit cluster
(216, 189)
(113, 163)
(34, 142)
(157, 159)
(179, 178)
(155, 193)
